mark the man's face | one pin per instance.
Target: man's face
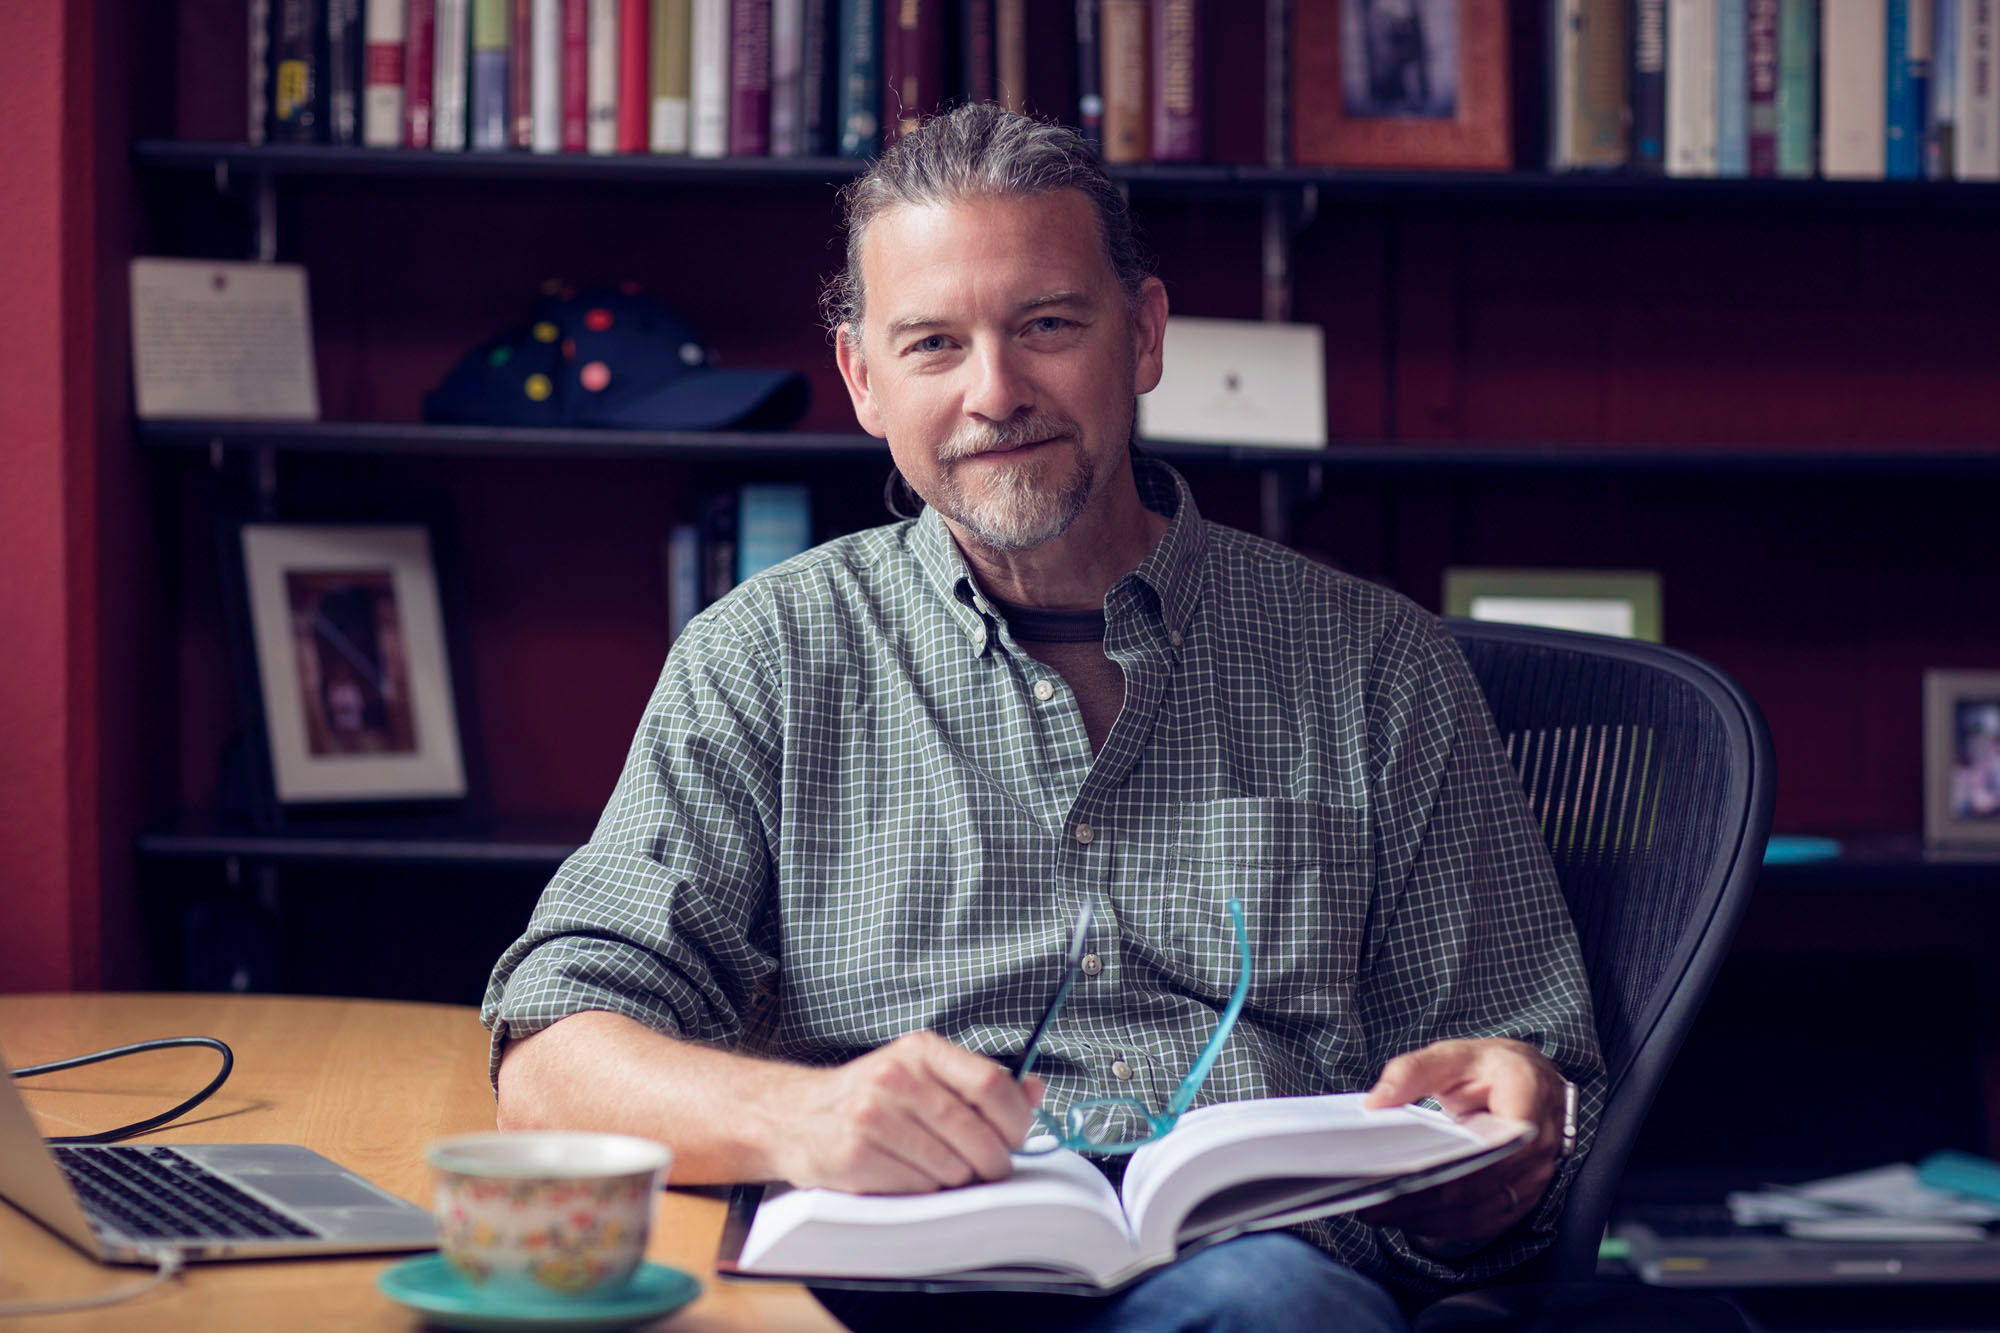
(1000, 361)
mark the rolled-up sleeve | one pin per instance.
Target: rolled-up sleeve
(664, 916)
(1471, 936)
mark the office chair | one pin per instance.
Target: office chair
(1650, 772)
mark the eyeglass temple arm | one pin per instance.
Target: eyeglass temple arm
(1184, 1097)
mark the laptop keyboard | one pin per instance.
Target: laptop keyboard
(158, 1193)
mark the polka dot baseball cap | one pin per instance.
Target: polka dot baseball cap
(609, 357)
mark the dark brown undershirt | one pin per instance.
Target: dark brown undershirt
(1071, 644)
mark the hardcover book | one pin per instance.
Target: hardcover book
(1798, 87)
(382, 85)
(451, 51)
(1010, 53)
(1590, 111)
(635, 85)
(419, 70)
(492, 122)
(521, 72)
(975, 51)
(1853, 81)
(576, 75)
(1938, 157)
(912, 64)
(1976, 137)
(1089, 72)
(344, 71)
(1762, 121)
(1056, 1224)
(788, 18)
(1176, 83)
(750, 78)
(1122, 39)
(1691, 87)
(858, 95)
(708, 78)
(1422, 86)
(1649, 86)
(545, 77)
(1732, 88)
(668, 130)
(298, 88)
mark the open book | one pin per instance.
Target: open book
(1056, 1224)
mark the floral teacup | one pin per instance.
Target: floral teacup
(546, 1213)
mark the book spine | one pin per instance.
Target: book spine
(1899, 140)
(1602, 137)
(450, 52)
(1649, 86)
(859, 94)
(815, 80)
(718, 546)
(1010, 53)
(1798, 86)
(1944, 93)
(1909, 90)
(1123, 39)
(545, 84)
(1691, 90)
(576, 75)
(1732, 88)
(708, 78)
(521, 75)
(683, 577)
(1763, 88)
(669, 130)
(601, 135)
(773, 524)
(750, 78)
(635, 87)
(1976, 138)
(912, 64)
(419, 71)
(492, 24)
(787, 78)
(1175, 85)
(258, 40)
(297, 87)
(1565, 45)
(975, 51)
(1089, 73)
(344, 71)
(382, 90)
(1853, 78)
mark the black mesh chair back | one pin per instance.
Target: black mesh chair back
(1651, 774)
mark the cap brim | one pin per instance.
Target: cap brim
(712, 400)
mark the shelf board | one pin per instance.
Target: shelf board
(1871, 860)
(1220, 179)
(502, 844)
(1349, 460)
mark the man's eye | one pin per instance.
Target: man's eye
(936, 342)
(1050, 324)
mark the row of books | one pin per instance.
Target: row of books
(710, 78)
(1858, 89)
(739, 532)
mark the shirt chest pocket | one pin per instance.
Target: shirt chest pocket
(1304, 870)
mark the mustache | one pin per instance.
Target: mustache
(978, 437)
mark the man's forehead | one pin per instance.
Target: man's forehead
(1019, 247)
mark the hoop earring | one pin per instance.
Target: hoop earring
(894, 492)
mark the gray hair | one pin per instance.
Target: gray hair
(980, 151)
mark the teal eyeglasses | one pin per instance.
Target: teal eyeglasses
(1113, 1125)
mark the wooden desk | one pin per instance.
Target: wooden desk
(367, 1082)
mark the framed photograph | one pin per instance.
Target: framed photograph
(1623, 603)
(1962, 758)
(1401, 83)
(353, 672)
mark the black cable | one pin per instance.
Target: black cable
(137, 1126)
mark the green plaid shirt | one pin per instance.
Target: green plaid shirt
(855, 807)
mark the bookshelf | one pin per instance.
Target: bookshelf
(1776, 392)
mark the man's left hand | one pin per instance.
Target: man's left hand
(1506, 1077)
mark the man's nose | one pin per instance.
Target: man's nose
(999, 385)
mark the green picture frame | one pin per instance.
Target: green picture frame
(1622, 603)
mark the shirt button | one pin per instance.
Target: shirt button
(1084, 834)
(1174, 637)
(1092, 965)
(1119, 1069)
(1044, 691)
(979, 637)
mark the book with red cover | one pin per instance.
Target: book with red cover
(750, 78)
(635, 89)
(419, 35)
(1176, 87)
(521, 73)
(912, 63)
(1409, 105)
(975, 50)
(1127, 106)
(575, 76)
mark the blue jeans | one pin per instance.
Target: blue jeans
(1270, 1282)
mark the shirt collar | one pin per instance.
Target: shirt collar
(1171, 569)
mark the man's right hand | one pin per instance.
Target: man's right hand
(917, 1115)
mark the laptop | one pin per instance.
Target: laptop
(1780, 1082)
(136, 1203)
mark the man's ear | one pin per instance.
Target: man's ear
(1149, 336)
(854, 374)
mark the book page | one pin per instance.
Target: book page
(1055, 1212)
(1274, 1154)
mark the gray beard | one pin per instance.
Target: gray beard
(1016, 512)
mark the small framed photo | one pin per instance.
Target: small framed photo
(1420, 84)
(1962, 758)
(1622, 603)
(354, 681)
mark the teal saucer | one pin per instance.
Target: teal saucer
(430, 1286)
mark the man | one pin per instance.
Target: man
(832, 890)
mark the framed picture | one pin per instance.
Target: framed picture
(1962, 758)
(1623, 603)
(1401, 83)
(354, 681)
